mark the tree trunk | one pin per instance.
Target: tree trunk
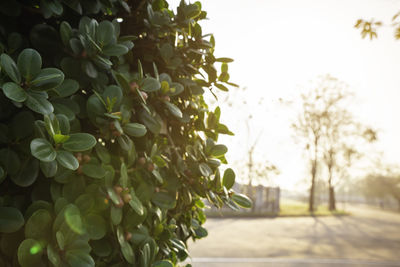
(311, 207)
(332, 201)
(312, 189)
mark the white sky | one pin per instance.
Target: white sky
(279, 46)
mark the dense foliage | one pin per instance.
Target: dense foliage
(107, 146)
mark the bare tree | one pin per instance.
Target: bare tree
(308, 129)
(329, 132)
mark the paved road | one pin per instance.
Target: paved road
(367, 238)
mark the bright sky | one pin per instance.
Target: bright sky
(279, 46)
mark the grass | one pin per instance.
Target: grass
(289, 208)
(297, 208)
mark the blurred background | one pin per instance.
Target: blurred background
(317, 134)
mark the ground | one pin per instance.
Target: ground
(369, 237)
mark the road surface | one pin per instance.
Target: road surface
(366, 238)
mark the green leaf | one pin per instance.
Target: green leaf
(201, 232)
(205, 169)
(79, 142)
(163, 263)
(103, 153)
(73, 219)
(221, 87)
(123, 175)
(38, 225)
(173, 109)
(116, 215)
(115, 50)
(79, 259)
(52, 125)
(145, 255)
(65, 32)
(89, 69)
(229, 178)
(67, 88)
(242, 200)
(30, 253)
(150, 84)
(218, 150)
(47, 79)
(93, 170)
(64, 124)
(136, 204)
(60, 138)
(43, 150)
(49, 169)
(96, 226)
(53, 255)
(166, 51)
(9, 66)
(105, 33)
(29, 63)
(164, 200)
(113, 92)
(27, 173)
(125, 142)
(38, 103)
(14, 92)
(11, 220)
(134, 129)
(151, 122)
(175, 89)
(224, 59)
(67, 160)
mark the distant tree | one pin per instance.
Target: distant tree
(308, 129)
(380, 186)
(329, 132)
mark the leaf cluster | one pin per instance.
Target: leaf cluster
(107, 147)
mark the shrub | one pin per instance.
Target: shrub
(107, 146)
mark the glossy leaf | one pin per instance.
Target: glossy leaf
(79, 258)
(115, 50)
(67, 88)
(47, 79)
(43, 150)
(29, 63)
(150, 84)
(38, 103)
(229, 178)
(9, 66)
(105, 33)
(134, 129)
(79, 142)
(164, 263)
(14, 92)
(218, 150)
(173, 109)
(242, 200)
(67, 160)
(93, 170)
